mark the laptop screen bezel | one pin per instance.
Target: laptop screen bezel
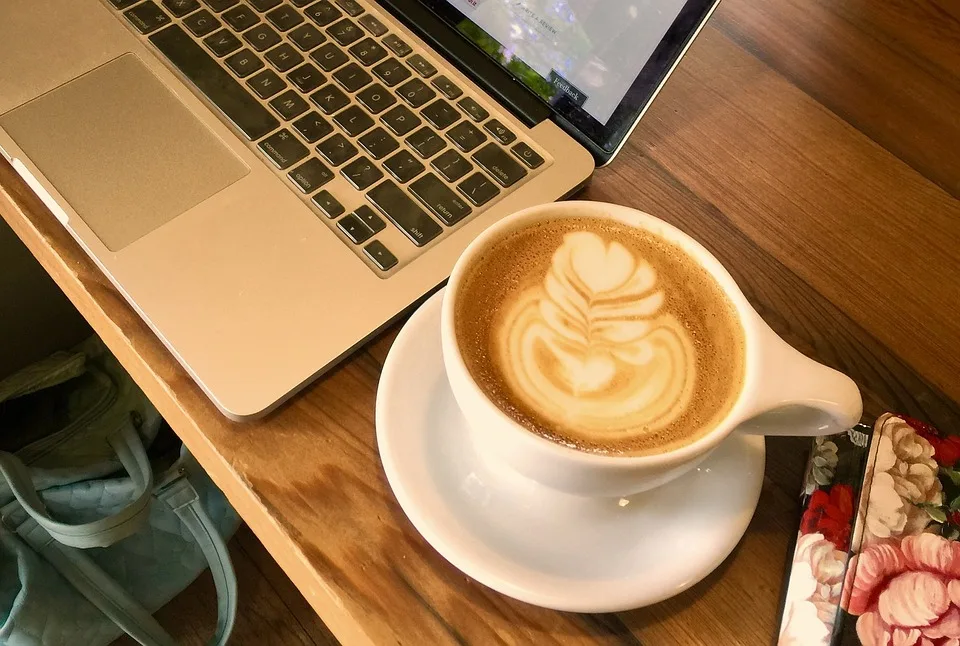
(604, 140)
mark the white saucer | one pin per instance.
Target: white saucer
(536, 544)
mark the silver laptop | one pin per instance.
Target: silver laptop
(270, 182)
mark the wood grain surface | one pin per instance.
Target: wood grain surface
(812, 145)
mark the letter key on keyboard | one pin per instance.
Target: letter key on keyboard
(238, 105)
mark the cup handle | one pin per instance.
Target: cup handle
(795, 395)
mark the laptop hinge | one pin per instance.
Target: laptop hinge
(470, 60)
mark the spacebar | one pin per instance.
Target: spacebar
(234, 101)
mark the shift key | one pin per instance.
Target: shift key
(404, 212)
(501, 166)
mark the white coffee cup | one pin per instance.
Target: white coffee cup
(784, 392)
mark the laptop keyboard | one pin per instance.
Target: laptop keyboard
(325, 92)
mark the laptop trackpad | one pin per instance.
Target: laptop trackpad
(123, 150)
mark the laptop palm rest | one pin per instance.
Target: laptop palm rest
(123, 150)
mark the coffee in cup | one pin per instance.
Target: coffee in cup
(693, 360)
(600, 336)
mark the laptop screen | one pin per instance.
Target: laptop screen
(596, 62)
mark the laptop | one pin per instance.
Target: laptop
(271, 182)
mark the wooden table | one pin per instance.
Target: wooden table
(812, 145)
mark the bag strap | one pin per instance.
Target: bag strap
(183, 499)
(115, 602)
(99, 533)
(96, 586)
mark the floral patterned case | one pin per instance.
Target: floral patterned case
(892, 577)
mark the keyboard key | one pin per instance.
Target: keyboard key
(181, 8)
(499, 131)
(361, 172)
(527, 155)
(501, 166)
(371, 24)
(441, 114)
(416, 93)
(300, 3)
(353, 120)
(473, 109)
(391, 72)
(478, 189)
(368, 51)
(310, 175)
(354, 228)
(264, 5)
(244, 63)
(345, 32)
(352, 7)
(222, 43)
(329, 98)
(329, 57)
(236, 103)
(378, 143)
(283, 149)
(284, 18)
(306, 37)
(451, 166)
(404, 212)
(352, 77)
(422, 65)
(397, 46)
(336, 149)
(240, 18)
(404, 166)
(466, 136)
(380, 255)
(426, 142)
(328, 204)
(322, 13)
(147, 17)
(312, 127)
(201, 23)
(370, 218)
(376, 98)
(444, 203)
(284, 57)
(307, 78)
(266, 84)
(401, 120)
(447, 87)
(289, 105)
(262, 37)
(123, 4)
(220, 5)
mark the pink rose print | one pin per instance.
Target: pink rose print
(814, 592)
(906, 594)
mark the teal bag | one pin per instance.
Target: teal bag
(87, 553)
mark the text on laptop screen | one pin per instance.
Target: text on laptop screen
(587, 51)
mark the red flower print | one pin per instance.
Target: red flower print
(906, 594)
(946, 450)
(830, 515)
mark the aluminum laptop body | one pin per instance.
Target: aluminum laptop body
(270, 182)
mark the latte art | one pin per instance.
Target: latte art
(600, 336)
(590, 346)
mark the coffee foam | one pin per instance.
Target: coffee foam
(600, 336)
